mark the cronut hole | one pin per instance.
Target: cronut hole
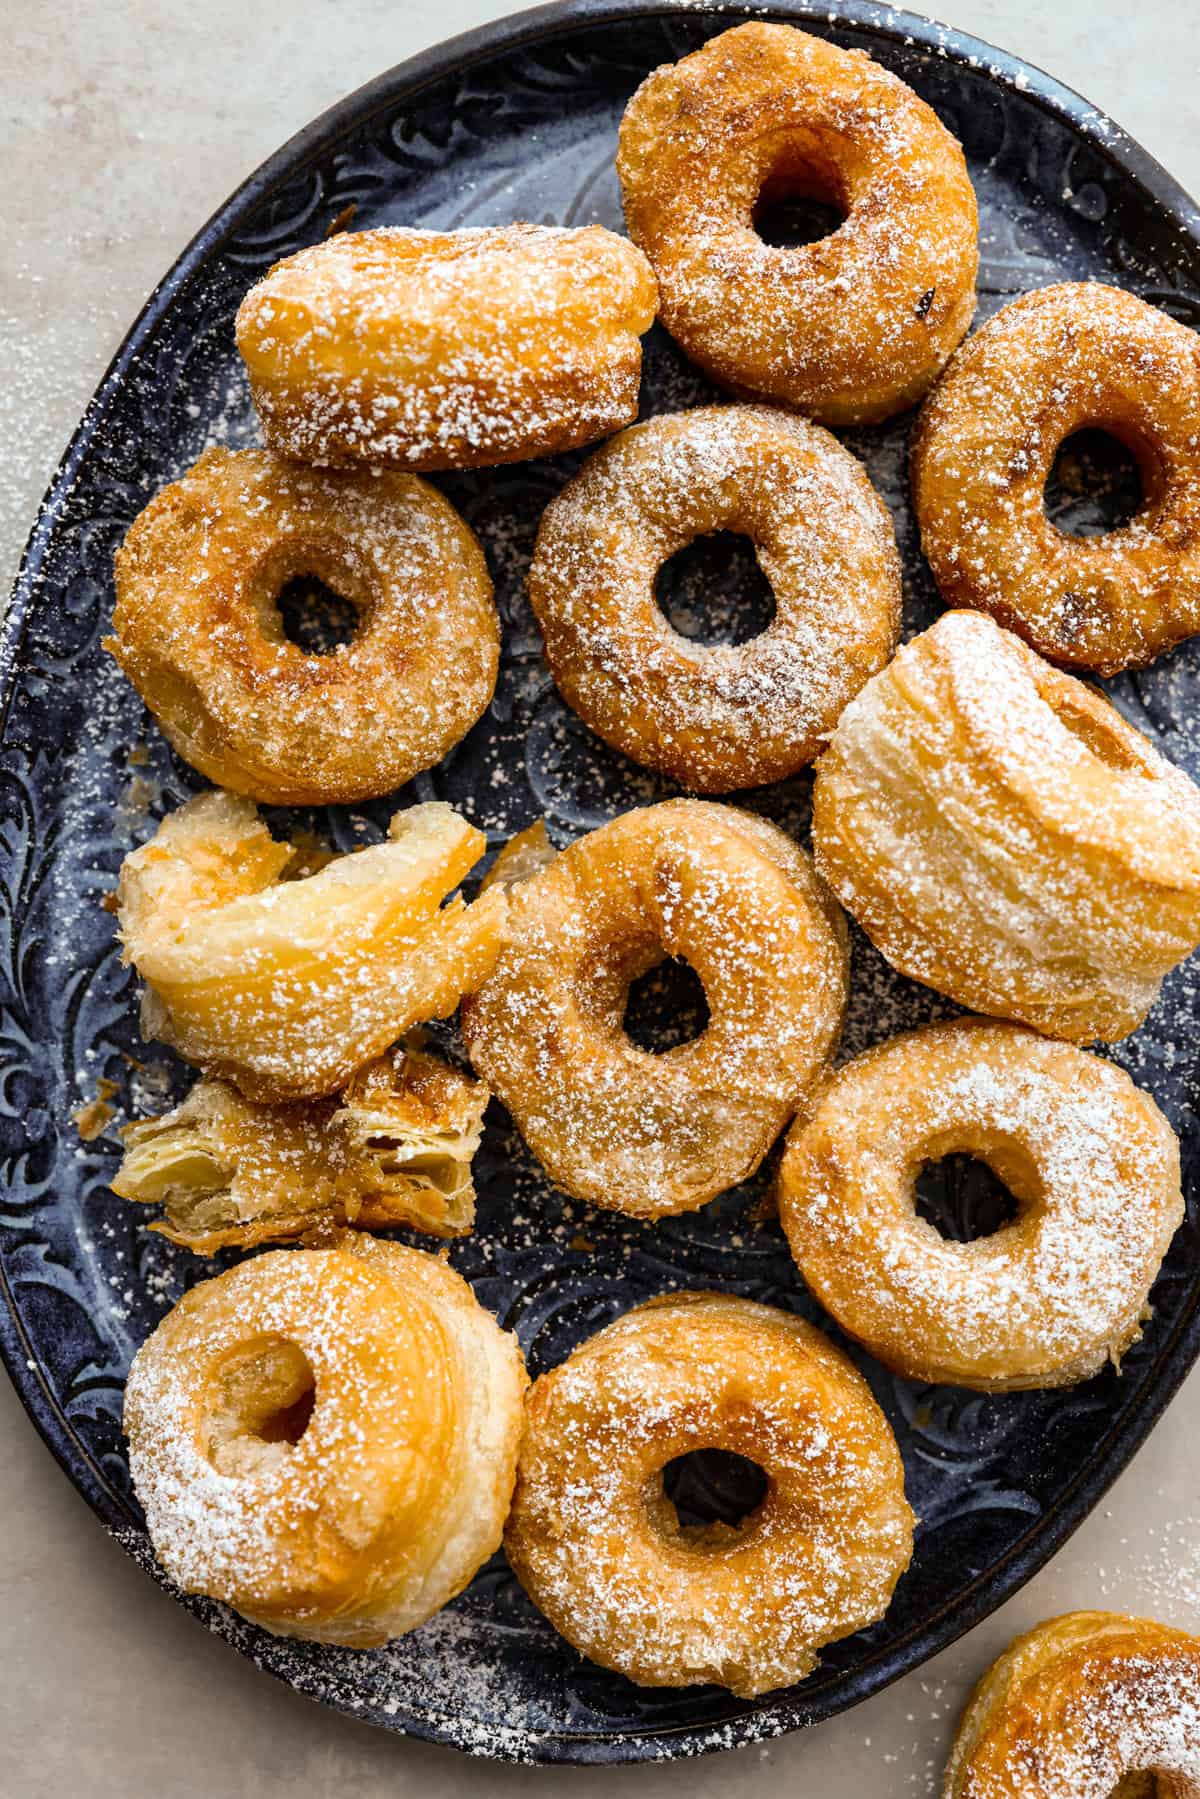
(963, 1199)
(1094, 486)
(712, 1487)
(1148, 1786)
(665, 1007)
(259, 1407)
(315, 618)
(713, 590)
(798, 203)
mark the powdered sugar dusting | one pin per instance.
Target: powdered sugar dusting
(359, 1523)
(717, 717)
(440, 350)
(594, 1540)
(1049, 1299)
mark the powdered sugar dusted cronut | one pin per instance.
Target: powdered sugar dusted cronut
(198, 631)
(286, 986)
(326, 1439)
(849, 329)
(1046, 1300)
(599, 1548)
(447, 349)
(395, 1147)
(1051, 363)
(1002, 834)
(617, 1125)
(1091, 1705)
(717, 717)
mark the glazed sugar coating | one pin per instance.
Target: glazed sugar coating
(717, 717)
(1046, 1300)
(597, 1544)
(1051, 363)
(852, 328)
(394, 1148)
(198, 631)
(286, 987)
(357, 1526)
(1002, 834)
(616, 1125)
(1091, 1705)
(447, 349)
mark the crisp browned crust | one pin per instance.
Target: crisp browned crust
(849, 329)
(717, 717)
(441, 350)
(286, 987)
(198, 632)
(1052, 362)
(394, 1148)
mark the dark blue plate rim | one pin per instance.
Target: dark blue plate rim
(872, 23)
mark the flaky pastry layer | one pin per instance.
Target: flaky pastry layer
(1091, 1705)
(326, 1439)
(286, 988)
(394, 1148)
(1004, 835)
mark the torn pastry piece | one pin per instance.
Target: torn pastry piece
(287, 987)
(412, 1125)
(395, 1148)
(522, 856)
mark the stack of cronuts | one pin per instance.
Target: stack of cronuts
(332, 1438)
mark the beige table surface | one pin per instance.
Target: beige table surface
(124, 123)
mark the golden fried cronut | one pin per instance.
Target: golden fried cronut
(198, 630)
(717, 716)
(597, 1544)
(613, 1123)
(1091, 1705)
(447, 349)
(849, 329)
(326, 1439)
(286, 987)
(394, 1148)
(1048, 1299)
(1003, 834)
(1052, 363)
